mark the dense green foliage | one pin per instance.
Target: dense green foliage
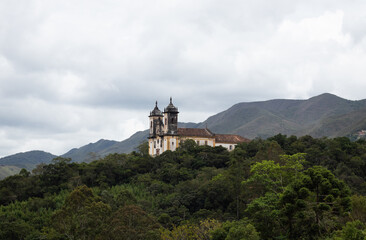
(279, 188)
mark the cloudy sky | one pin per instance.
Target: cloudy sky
(73, 72)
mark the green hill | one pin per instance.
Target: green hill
(27, 160)
(324, 115)
(12, 164)
(8, 170)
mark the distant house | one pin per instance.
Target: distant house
(165, 135)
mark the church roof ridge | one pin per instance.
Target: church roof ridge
(230, 138)
(195, 132)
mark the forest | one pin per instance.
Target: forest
(283, 187)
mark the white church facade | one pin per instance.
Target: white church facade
(165, 135)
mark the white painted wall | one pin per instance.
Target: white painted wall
(173, 144)
(227, 145)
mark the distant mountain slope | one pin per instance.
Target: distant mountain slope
(323, 115)
(14, 163)
(89, 152)
(6, 171)
(94, 151)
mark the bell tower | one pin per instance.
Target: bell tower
(156, 123)
(170, 119)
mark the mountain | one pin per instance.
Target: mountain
(12, 164)
(6, 171)
(324, 115)
(27, 160)
(101, 148)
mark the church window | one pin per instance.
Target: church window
(151, 124)
(154, 144)
(198, 142)
(165, 121)
(173, 120)
(205, 142)
(172, 143)
(230, 147)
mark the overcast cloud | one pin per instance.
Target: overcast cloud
(73, 72)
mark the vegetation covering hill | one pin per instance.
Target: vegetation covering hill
(27, 160)
(102, 148)
(7, 170)
(324, 115)
(279, 188)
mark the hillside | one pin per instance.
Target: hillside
(101, 148)
(8, 171)
(27, 160)
(265, 189)
(324, 115)
(12, 164)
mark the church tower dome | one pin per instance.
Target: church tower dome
(156, 112)
(171, 119)
(171, 108)
(156, 121)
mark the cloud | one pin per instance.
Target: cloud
(72, 72)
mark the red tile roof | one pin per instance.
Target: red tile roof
(230, 138)
(204, 132)
(195, 132)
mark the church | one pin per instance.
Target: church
(165, 135)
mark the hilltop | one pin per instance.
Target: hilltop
(326, 115)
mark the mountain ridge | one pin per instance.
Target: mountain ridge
(290, 117)
(323, 115)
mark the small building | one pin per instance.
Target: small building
(165, 135)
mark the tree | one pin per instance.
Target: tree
(131, 223)
(143, 149)
(313, 203)
(351, 231)
(264, 213)
(358, 208)
(83, 216)
(235, 230)
(191, 231)
(274, 177)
